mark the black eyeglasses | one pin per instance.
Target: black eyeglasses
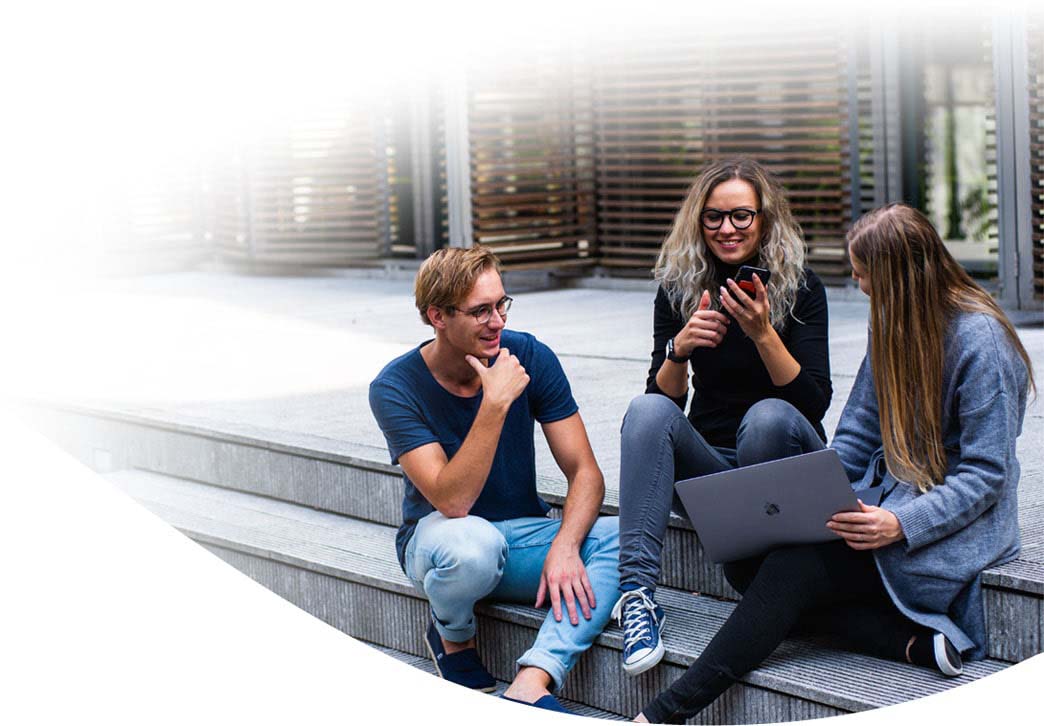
(741, 217)
(483, 313)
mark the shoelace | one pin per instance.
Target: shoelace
(638, 611)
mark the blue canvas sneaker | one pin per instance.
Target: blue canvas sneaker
(642, 621)
(463, 667)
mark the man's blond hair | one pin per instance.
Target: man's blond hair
(448, 275)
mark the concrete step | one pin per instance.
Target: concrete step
(320, 473)
(343, 570)
(425, 664)
(358, 482)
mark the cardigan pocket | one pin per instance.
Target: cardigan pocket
(935, 568)
(930, 592)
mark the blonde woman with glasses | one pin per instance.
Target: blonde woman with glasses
(932, 420)
(759, 365)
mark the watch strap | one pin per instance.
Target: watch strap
(671, 354)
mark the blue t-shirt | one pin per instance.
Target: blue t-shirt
(413, 409)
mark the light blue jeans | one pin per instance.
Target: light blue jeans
(457, 562)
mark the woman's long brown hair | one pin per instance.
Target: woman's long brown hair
(915, 289)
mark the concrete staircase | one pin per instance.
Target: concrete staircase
(314, 520)
(424, 663)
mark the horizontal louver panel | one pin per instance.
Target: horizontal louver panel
(665, 110)
(1035, 45)
(309, 194)
(863, 116)
(155, 219)
(532, 162)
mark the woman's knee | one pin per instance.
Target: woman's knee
(770, 417)
(647, 411)
(773, 429)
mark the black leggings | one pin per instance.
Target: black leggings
(826, 588)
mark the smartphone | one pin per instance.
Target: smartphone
(745, 278)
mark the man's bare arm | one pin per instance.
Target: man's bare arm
(453, 485)
(565, 577)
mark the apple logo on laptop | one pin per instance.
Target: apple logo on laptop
(771, 508)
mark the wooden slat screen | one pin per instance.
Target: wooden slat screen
(532, 162)
(442, 183)
(309, 193)
(665, 109)
(150, 215)
(164, 220)
(863, 117)
(986, 46)
(226, 210)
(1035, 47)
(393, 184)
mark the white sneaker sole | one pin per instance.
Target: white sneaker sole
(941, 659)
(653, 657)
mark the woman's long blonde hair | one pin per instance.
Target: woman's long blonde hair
(686, 267)
(915, 289)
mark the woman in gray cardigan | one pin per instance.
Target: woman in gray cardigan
(932, 419)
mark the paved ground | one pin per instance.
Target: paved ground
(294, 355)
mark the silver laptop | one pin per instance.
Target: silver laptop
(748, 511)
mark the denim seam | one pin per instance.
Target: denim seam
(596, 546)
(596, 541)
(419, 555)
(792, 429)
(666, 439)
(530, 546)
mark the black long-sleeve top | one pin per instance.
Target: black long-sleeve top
(730, 378)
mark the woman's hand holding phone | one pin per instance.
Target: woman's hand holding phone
(752, 314)
(705, 329)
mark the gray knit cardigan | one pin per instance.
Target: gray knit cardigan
(969, 521)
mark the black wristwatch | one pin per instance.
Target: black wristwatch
(670, 353)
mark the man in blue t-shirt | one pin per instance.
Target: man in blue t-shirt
(458, 414)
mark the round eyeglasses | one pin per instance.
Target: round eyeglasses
(741, 217)
(483, 313)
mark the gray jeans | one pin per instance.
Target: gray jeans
(658, 446)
